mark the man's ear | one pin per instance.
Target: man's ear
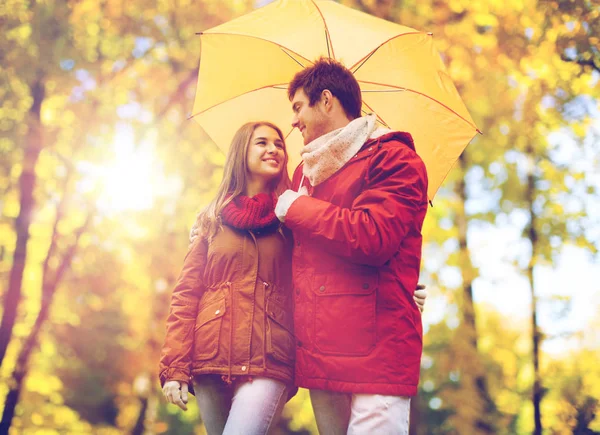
(327, 99)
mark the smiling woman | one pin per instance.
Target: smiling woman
(233, 296)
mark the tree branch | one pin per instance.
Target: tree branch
(177, 96)
(68, 257)
(582, 62)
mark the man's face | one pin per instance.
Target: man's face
(311, 121)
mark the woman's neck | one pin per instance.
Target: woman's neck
(254, 187)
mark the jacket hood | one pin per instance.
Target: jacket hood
(400, 136)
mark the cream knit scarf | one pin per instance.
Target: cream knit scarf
(325, 155)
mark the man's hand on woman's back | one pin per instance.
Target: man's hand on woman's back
(419, 296)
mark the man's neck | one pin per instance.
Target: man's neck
(337, 123)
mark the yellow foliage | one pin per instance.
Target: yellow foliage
(44, 384)
(486, 19)
(53, 111)
(19, 34)
(456, 6)
(65, 417)
(37, 420)
(508, 401)
(499, 52)
(11, 206)
(299, 411)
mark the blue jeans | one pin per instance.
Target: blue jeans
(243, 408)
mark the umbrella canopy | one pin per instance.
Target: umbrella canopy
(247, 63)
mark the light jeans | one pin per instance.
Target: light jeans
(244, 408)
(360, 414)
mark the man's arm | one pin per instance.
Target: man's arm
(371, 231)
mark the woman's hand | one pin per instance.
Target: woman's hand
(419, 296)
(176, 393)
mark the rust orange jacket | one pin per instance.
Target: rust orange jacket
(232, 309)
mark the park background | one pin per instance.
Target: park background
(102, 174)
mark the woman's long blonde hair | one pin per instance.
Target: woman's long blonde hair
(235, 177)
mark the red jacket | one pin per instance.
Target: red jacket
(356, 261)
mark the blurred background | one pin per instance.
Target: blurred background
(102, 174)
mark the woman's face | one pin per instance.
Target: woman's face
(266, 154)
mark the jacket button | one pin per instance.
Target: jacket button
(365, 286)
(298, 243)
(244, 368)
(322, 288)
(217, 312)
(371, 149)
(299, 343)
(298, 292)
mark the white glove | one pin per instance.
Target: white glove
(286, 200)
(177, 393)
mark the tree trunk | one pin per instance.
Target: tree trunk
(536, 335)
(20, 370)
(415, 422)
(466, 265)
(27, 179)
(140, 426)
(469, 325)
(50, 282)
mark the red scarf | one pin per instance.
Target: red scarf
(247, 213)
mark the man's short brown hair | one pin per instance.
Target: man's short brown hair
(328, 74)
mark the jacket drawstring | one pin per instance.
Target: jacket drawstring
(266, 285)
(227, 379)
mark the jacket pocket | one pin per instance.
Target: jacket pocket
(207, 330)
(345, 315)
(280, 333)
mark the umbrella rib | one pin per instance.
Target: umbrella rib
(236, 96)
(291, 57)
(424, 95)
(364, 59)
(327, 35)
(288, 135)
(383, 90)
(381, 121)
(265, 40)
(378, 117)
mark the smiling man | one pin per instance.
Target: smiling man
(356, 212)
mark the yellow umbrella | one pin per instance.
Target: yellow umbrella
(246, 64)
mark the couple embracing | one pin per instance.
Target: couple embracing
(308, 282)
